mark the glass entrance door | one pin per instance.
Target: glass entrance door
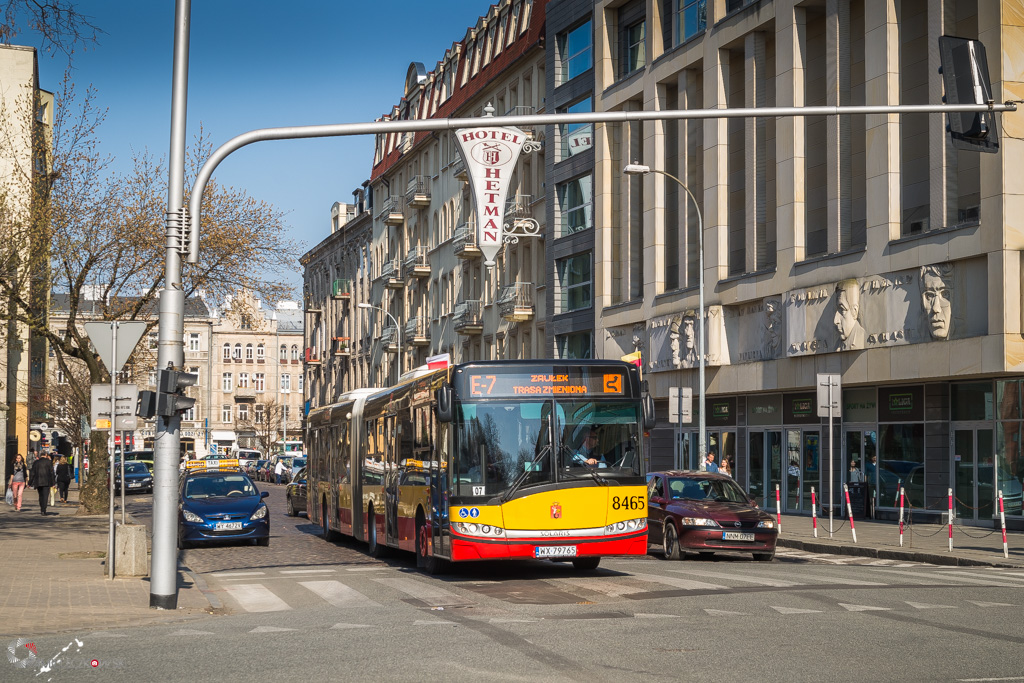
(974, 473)
(803, 462)
(765, 467)
(791, 480)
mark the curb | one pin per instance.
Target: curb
(887, 554)
(203, 587)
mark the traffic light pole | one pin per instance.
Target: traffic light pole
(163, 587)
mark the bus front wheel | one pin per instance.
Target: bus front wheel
(586, 564)
(424, 560)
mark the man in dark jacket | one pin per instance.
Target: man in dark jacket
(41, 477)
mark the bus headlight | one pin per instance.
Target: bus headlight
(627, 525)
(481, 530)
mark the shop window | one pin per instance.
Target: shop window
(971, 401)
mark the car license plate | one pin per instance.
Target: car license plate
(736, 536)
(555, 551)
(134, 485)
(228, 526)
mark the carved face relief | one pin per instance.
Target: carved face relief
(935, 299)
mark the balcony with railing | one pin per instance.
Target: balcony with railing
(245, 393)
(468, 318)
(518, 207)
(341, 347)
(417, 262)
(459, 168)
(417, 332)
(391, 273)
(516, 302)
(464, 241)
(312, 356)
(341, 289)
(389, 339)
(393, 211)
(418, 192)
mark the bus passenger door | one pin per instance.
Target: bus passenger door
(391, 476)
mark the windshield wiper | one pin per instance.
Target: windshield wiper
(587, 469)
(521, 479)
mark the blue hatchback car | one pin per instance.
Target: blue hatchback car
(221, 505)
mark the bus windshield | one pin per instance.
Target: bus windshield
(506, 444)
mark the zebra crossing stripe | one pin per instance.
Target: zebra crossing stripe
(759, 580)
(685, 584)
(255, 597)
(338, 594)
(424, 591)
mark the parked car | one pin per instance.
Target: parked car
(253, 468)
(296, 493)
(706, 512)
(219, 505)
(246, 456)
(263, 471)
(137, 478)
(145, 457)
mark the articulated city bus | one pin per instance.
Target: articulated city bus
(487, 460)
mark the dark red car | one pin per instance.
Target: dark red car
(706, 512)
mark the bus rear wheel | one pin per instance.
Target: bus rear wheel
(325, 526)
(374, 547)
(424, 560)
(586, 564)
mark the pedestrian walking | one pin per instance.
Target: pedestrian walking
(53, 489)
(41, 479)
(18, 480)
(63, 478)
(279, 469)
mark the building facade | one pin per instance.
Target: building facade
(868, 247)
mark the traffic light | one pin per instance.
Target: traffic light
(146, 406)
(966, 81)
(171, 399)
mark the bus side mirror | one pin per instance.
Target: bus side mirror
(650, 420)
(443, 404)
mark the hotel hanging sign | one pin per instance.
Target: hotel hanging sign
(490, 155)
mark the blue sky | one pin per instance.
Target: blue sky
(259, 64)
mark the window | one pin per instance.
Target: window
(575, 345)
(575, 52)
(152, 378)
(248, 352)
(576, 137)
(261, 352)
(63, 379)
(225, 413)
(575, 207)
(189, 415)
(243, 412)
(237, 355)
(259, 382)
(295, 353)
(284, 413)
(574, 276)
(257, 411)
(282, 353)
(226, 381)
(227, 352)
(243, 380)
(689, 17)
(300, 383)
(193, 341)
(245, 322)
(286, 382)
(153, 340)
(634, 53)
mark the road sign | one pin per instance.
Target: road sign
(680, 405)
(101, 334)
(124, 418)
(34, 435)
(824, 380)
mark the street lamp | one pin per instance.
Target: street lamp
(397, 329)
(640, 169)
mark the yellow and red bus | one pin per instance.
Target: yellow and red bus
(487, 460)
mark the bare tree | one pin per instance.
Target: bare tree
(96, 235)
(59, 25)
(265, 424)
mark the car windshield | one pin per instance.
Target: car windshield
(298, 462)
(692, 488)
(131, 467)
(234, 485)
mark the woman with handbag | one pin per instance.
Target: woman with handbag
(18, 480)
(63, 478)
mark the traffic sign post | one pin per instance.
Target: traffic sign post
(830, 392)
(680, 410)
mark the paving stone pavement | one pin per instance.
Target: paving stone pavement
(53, 576)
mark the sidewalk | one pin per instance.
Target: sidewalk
(972, 546)
(53, 575)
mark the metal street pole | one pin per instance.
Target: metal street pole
(398, 330)
(163, 587)
(111, 469)
(640, 169)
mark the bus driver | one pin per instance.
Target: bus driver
(588, 453)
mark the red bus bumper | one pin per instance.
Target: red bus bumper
(472, 548)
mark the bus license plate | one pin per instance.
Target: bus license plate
(555, 551)
(736, 536)
(228, 526)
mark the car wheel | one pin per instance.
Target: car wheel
(671, 548)
(265, 541)
(291, 508)
(374, 548)
(764, 557)
(586, 564)
(424, 560)
(183, 544)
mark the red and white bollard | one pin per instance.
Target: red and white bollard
(950, 519)
(778, 508)
(849, 511)
(814, 513)
(901, 516)
(1002, 523)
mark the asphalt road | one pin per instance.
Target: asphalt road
(306, 609)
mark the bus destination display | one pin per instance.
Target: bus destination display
(493, 385)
